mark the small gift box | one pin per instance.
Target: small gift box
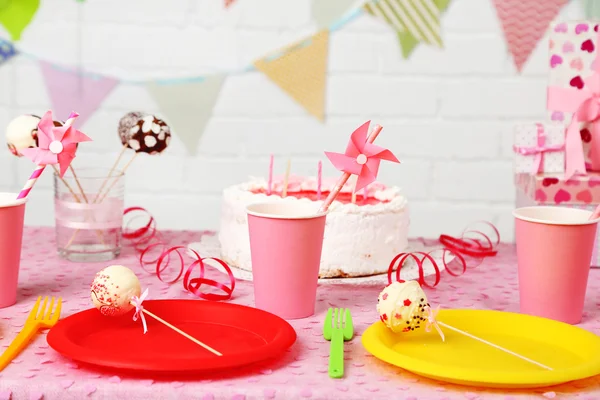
(574, 82)
(539, 148)
(554, 189)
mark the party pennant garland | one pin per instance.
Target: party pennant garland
(228, 3)
(327, 12)
(415, 21)
(69, 91)
(7, 51)
(591, 9)
(408, 43)
(15, 15)
(524, 23)
(188, 106)
(301, 70)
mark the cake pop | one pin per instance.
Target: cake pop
(144, 133)
(21, 133)
(403, 307)
(116, 290)
(113, 288)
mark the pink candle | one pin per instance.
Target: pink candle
(319, 179)
(270, 183)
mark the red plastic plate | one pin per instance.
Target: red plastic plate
(244, 335)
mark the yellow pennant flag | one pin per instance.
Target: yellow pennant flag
(301, 70)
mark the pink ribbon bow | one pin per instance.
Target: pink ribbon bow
(584, 103)
(361, 158)
(538, 150)
(139, 309)
(56, 144)
(431, 321)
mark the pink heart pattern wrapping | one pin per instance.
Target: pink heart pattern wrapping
(570, 62)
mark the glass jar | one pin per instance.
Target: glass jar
(88, 206)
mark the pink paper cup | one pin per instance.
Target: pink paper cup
(286, 240)
(554, 249)
(12, 213)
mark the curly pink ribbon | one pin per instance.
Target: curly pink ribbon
(584, 103)
(538, 150)
(431, 321)
(139, 309)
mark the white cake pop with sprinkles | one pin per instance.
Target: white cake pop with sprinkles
(113, 288)
(403, 306)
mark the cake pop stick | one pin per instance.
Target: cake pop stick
(361, 158)
(403, 306)
(114, 182)
(112, 170)
(286, 178)
(116, 290)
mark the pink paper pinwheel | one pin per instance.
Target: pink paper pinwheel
(362, 158)
(56, 145)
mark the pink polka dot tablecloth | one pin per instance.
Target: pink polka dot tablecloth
(301, 373)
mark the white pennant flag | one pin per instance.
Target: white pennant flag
(327, 12)
(188, 106)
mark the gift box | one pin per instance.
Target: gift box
(574, 80)
(539, 148)
(524, 199)
(553, 189)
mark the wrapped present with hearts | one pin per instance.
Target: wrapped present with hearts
(550, 190)
(573, 89)
(555, 189)
(539, 148)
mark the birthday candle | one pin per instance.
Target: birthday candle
(319, 179)
(270, 183)
(286, 178)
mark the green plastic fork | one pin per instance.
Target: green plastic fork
(338, 328)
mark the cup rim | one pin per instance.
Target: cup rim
(518, 213)
(14, 203)
(250, 211)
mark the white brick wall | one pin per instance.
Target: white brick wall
(447, 114)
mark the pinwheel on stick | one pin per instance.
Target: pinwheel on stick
(362, 158)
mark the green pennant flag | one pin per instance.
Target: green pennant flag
(15, 15)
(421, 26)
(591, 9)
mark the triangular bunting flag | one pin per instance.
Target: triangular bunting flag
(71, 91)
(408, 42)
(228, 3)
(188, 106)
(301, 70)
(327, 12)
(415, 21)
(591, 9)
(7, 51)
(524, 23)
(15, 15)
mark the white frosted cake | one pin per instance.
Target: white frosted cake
(361, 238)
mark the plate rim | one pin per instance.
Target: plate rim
(284, 339)
(379, 350)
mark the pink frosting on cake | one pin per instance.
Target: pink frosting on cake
(301, 187)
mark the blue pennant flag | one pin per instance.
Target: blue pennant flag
(7, 51)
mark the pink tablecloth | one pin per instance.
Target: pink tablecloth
(301, 373)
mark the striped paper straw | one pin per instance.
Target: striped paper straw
(40, 168)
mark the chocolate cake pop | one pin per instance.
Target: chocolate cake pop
(144, 133)
(113, 288)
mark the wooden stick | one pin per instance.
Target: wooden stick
(286, 178)
(493, 345)
(57, 172)
(116, 180)
(125, 146)
(182, 333)
(78, 184)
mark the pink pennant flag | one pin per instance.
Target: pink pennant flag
(228, 3)
(524, 23)
(69, 90)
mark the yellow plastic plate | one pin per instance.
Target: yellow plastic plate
(572, 353)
